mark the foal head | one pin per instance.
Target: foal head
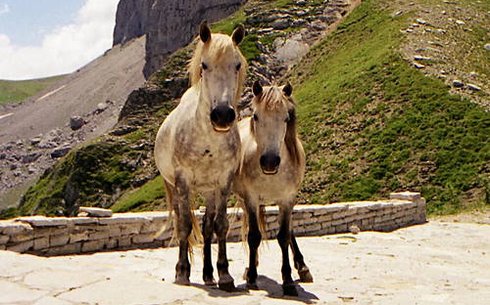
(274, 125)
(219, 68)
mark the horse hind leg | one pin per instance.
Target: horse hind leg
(207, 232)
(254, 238)
(183, 223)
(299, 262)
(221, 226)
(284, 239)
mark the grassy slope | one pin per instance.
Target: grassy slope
(17, 91)
(372, 124)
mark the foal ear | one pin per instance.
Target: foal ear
(257, 88)
(238, 34)
(205, 32)
(288, 89)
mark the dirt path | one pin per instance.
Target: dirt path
(435, 263)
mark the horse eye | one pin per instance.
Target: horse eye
(238, 66)
(204, 66)
(256, 118)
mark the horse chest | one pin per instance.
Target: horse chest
(207, 162)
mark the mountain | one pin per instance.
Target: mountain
(375, 111)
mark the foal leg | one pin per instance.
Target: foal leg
(207, 232)
(284, 239)
(254, 238)
(221, 225)
(299, 262)
(180, 202)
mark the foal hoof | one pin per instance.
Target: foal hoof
(210, 282)
(226, 283)
(290, 289)
(252, 286)
(182, 280)
(305, 276)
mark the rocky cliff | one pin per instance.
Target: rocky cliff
(168, 24)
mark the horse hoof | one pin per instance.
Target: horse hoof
(226, 283)
(252, 286)
(305, 276)
(182, 280)
(290, 289)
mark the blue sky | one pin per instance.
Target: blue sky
(40, 38)
(27, 20)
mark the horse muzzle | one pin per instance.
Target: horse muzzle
(222, 118)
(269, 163)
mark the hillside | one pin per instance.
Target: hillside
(16, 91)
(371, 121)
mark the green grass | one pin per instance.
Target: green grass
(149, 193)
(17, 91)
(383, 125)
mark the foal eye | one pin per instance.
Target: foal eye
(238, 66)
(256, 118)
(204, 66)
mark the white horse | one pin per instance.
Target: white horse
(197, 148)
(272, 169)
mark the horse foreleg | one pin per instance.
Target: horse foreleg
(184, 228)
(299, 262)
(254, 238)
(207, 232)
(284, 239)
(221, 225)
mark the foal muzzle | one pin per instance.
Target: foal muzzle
(269, 163)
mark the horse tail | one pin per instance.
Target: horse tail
(195, 238)
(262, 222)
(171, 220)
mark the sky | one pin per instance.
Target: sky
(40, 38)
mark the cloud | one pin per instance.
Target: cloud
(64, 49)
(4, 9)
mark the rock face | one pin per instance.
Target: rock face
(168, 24)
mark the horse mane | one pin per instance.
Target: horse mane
(273, 97)
(218, 45)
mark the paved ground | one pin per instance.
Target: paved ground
(436, 263)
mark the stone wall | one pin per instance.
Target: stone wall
(168, 24)
(61, 235)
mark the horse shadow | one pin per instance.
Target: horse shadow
(272, 287)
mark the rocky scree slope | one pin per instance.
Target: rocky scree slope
(117, 170)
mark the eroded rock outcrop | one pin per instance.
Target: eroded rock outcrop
(169, 25)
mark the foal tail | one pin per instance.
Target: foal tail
(260, 219)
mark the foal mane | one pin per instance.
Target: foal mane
(218, 45)
(273, 97)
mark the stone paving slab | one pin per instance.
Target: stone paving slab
(435, 263)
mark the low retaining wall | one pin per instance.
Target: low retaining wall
(61, 235)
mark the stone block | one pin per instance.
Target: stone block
(130, 229)
(96, 212)
(341, 228)
(77, 237)
(99, 235)
(411, 196)
(338, 215)
(112, 243)
(4, 239)
(325, 217)
(64, 250)
(13, 228)
(41, 221)
(124, 242)
(143, 238)
(58, 240)
(127, 218)
(41, 243)
(22, 237)
(93, 245)
(3, 247)
(22, 246)
(152, 227)
(165, 235)
(84, 220)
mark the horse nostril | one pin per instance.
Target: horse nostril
(223, 115)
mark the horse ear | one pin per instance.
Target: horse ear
(257, 88)
(288, 89)
(205, 32)
(238, 34)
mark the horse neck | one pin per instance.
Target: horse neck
(203, 111)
